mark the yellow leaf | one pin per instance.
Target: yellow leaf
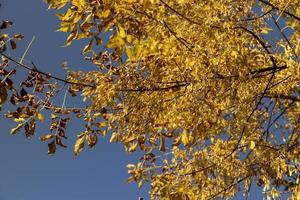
(47, 137)
(16, 129)
(71, 38)
(88, 47)
(265, 30)
(131, 166)
(252, 145)
(66, 27)
(105, 13)
(40, 117)
(185, 137)
(122, 33)
(114, 137)
(79, 4)
(56, 4)
(102, 124)
(91, 140)
(130, 53)
(79, 144)
(18, 120)
(133, 147)
(115, 42)
(140, 184)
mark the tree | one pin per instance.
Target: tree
(200, 87)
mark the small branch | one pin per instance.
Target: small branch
(229, 187)
(261, 43)
(165, 25)
(258, 17)
(175, 35)
(276, 8)
(179, 14)
(281, 96)
(155, 88)
(43, 73)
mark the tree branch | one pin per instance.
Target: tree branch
(44, 73)
(276, 8)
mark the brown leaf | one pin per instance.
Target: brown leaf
(61, 133)
(91, 140)
(51, 147)
(13, 44)
(98, 40)
(6, 24)
(59, 142)
(3, 95)
(13, 99)
(9, 83)
(23, 92)
(29, 128)
(162, 146)
(18, 36)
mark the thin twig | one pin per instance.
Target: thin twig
(258, 17)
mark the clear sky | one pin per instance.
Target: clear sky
(26, 171)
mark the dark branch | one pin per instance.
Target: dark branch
(276, 8)
(179, 14)
(43, 73)
(155, 88)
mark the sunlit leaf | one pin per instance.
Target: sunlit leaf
(47, 137)
(40, 116)
(79, 144)
(16, 129)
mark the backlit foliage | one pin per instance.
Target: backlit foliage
(203, 88)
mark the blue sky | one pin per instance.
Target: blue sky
(26, 171)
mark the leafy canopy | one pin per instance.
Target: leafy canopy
(200, 87)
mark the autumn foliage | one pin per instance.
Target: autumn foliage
(199, 87)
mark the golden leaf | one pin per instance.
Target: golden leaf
(16, 129)
(252, 144)
(88, 47)
(91, 140)
(185, 138)
(122, 33)
(47, 137)
(71, 38)
(114, 137)
(56, 4)
(79, 144)
(140, 184)
(133, 147)
(40, 117)
(80, 4)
